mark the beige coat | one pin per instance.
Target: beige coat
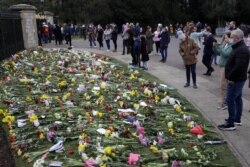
(188, 50)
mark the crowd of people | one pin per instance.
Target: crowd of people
(233, 52)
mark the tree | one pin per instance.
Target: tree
(219, 9)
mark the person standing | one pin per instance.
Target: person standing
(125, 38)
(149, 39)
(208, 51)
(188, 50)
(236, 74)
(165, 39)
(100, 36)
(114, 35)
(224, 50)
(157, 39)
(144, 53)
(107, 36)
(58, 34)
(92, 35)
(68, 34)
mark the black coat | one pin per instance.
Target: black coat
(165, 39)
(237, 64)
(208, 42)
(114, 33)
(144, 52)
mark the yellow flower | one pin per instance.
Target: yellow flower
(104, 158)
(132, 77)
(102, 85)
(66, 96)
(41, 136)
(32, 118)
(81, 148)
(120, 103)
(28, 99)
(148, 92)
(36, 70)
(133, 92)
(103, 165)
(100, 100)
(1, 111)
(48, 78)
(107, 133)
(8, 119)
(70, 115)
(99, 114)
(178, 109)
(136, 106)
(24, 80)
(153, 149)
(171, 131)
(157, 98)
(170, 125)
(108, 150)
(45, 97)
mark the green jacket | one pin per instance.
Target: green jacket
(224, 51)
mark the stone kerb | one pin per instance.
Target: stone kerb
(29, 26)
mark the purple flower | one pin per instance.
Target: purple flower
(131, 119)
(143, 140)
(176, 163)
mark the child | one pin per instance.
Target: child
(144, 53)
(248, 41)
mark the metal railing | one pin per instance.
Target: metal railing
(11, 36)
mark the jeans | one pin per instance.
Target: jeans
(234, 101)
(164, 53)
(91, 42)
(115, 44)
(191, 68)
(108, 44)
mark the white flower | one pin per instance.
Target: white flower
(171, 101)
(184, 152)
(39, 163)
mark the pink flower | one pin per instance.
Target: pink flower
(140, 130)
(133, 158)
(90, 163)
(160, 139)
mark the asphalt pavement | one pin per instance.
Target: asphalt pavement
(205, 98)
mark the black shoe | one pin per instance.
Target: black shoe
(186, 85)
(123, 53)
(238, 123)
(195, 86)
(227, 127)
(207, 74)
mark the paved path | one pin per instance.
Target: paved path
(205, 98)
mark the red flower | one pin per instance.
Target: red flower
(70, 152)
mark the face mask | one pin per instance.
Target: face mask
(231, 41)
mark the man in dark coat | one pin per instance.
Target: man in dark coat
(208, 42)
(165, 39)
(236, 74)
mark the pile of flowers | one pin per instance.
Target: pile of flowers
(75, 108)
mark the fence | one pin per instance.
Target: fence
(11, 36)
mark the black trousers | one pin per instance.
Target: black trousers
(206, 60)
(191, 68)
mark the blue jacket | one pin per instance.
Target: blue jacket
(224, 51)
